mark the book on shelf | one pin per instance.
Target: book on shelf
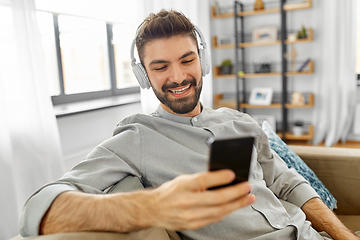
(304, 65)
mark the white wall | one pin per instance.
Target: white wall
(80, 133)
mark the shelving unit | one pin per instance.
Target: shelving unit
(240, 44)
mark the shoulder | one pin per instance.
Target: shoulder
(228, 114)
(136, 122)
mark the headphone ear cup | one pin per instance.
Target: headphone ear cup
(205, 61)
(141, 76)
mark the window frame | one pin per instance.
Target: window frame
(64, 98)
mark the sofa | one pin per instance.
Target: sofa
(337, 168)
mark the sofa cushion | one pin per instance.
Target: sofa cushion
(294, 161)
(339, 170)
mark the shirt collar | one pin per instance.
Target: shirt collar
(173, 117)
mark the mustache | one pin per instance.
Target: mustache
(168, 86)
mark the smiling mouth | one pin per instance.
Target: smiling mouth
(181, 90)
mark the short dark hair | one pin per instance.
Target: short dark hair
(164, 24)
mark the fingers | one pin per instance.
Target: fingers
(205, 180)
(202, 216)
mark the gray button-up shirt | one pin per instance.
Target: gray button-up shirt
(161, 146)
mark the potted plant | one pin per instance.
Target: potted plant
(302, 33)
(226, 66)
(298, 128)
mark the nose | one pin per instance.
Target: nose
(177, 74)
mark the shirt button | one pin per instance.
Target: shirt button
(195, 119)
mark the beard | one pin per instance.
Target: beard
(182, 105)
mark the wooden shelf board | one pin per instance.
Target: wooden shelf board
(310, 38)
(223, 15)
(259, 12)
(287, 7)
(298, 6)
(254, 75)
(217, 73)
(306, 136)
(259, 44)
(273, 105)
(220, 102)
(223, 46)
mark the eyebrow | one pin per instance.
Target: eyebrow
(163, 61)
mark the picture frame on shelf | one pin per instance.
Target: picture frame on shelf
(271, 119)
(261, 96)
(265, 34)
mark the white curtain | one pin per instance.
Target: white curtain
(30, 154)
(336, 85)
(198, 11)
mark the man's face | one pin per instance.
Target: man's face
(174, 70)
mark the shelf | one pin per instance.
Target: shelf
(310, 38)
(219, 101)
(222, 15)
(217, 73)
(306, 136)
(259, 44)
(223, 46)
(287, 7)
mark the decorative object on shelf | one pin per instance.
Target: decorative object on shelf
(265, 34)
(292, 37)
(226, 66)
(297, 98)
(261, 96)
(216, 8)
(302, 33)
(259, 5)
(304, 65)
(262, 65)
(298, 128)
(292, 56)
(225, 39)
(270, 119)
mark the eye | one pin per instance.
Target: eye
(160, 68)
(188, 61)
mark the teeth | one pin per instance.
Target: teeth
(178, 91)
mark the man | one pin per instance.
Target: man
(168, 152)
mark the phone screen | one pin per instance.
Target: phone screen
(232, 153)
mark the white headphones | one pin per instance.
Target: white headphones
(140, 72)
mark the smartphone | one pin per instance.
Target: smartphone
(231, 153)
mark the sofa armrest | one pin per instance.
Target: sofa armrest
(339, 170)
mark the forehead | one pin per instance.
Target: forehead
(168, 48)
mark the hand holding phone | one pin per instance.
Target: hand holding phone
(232, 153)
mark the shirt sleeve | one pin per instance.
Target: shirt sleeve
(106, 165)
(284, 182)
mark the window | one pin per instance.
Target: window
(122, 43)
(84, 54)
(86, 58)
(46, 28)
